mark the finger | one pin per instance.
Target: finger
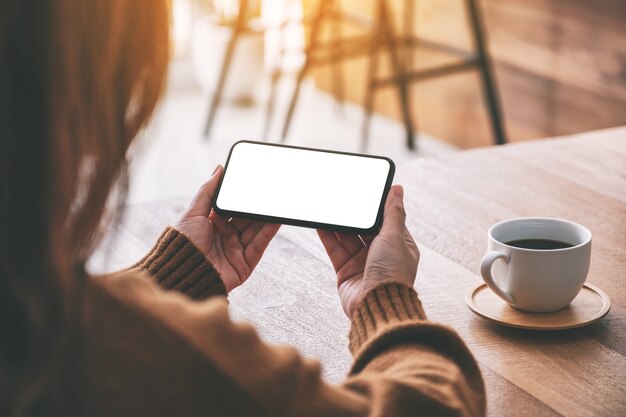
(220, 223)
(250, 232)
(255, 249)
(408, 238)
(241, 224)
(354, 264)
(368, 239)
(202, 202)
(394, 216)
(352, 243)
(335, 249)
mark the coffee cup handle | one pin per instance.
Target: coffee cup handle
(485, 270)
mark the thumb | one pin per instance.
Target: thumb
(394, 216)
(203, 201)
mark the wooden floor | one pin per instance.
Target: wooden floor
(451, 201)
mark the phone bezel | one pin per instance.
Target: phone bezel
(305, 223)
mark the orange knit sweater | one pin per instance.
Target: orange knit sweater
(157, 340)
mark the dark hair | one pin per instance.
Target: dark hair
(78, 80)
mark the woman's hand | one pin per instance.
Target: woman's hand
(362, 264)
(233, 246)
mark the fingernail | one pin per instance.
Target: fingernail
(217, 168)
(399, 192)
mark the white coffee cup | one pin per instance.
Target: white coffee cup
(536, 280)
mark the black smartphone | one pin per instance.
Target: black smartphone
(307, 187)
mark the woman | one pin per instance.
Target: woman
(78, 81)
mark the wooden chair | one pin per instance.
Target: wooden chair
(381, 36)
(240, 27)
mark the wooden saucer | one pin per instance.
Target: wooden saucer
(590, 305)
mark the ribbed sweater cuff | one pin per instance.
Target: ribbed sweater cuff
(177, 264)
(383, 306)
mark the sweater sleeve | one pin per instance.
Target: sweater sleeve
(176, 264)
(404, 365)
(426, 367)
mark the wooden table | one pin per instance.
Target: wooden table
(451, 202)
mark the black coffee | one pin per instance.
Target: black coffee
(540, 244)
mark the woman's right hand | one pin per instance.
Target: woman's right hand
(390, 256)
(233, 246)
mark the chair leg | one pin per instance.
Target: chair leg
(408, 30)
(307, 63)
(400, 73)
(217, 94)
(275, 77)
(228, 55)
(337, 68)
(293, 101)
(488, 78)
(370, 89)
(409, 53)
(269, 110)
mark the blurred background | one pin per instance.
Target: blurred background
(436, 76)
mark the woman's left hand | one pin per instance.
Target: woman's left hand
(233, 246)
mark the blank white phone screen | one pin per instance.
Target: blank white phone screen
(321, 187)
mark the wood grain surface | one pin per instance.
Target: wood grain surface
(590, 304)
(451, 202)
